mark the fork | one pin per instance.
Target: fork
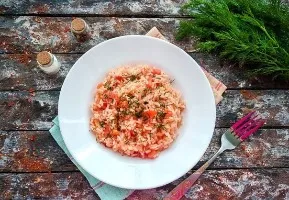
(238, 132)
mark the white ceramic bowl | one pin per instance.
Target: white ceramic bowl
(77, 95)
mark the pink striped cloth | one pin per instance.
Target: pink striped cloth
(217, 86)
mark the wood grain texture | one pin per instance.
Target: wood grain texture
(235, 77)
(103, 7)
(272, 105)
(31, 151)
(28, 110)
(26, 34)
(20, 72)
(36, 151)
(257, 184)
(33, 166)
(45, 186)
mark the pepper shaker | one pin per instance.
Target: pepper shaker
(48, 62)
(80, 29)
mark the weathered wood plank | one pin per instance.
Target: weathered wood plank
(32, 34)
(34, 111)
(234, 76)
(20, 72)
(36, 151)
(273, 105)
(27, 110)
(259, 184)
(31, 151)
(45, 186)
(267, 148)
(103, 7)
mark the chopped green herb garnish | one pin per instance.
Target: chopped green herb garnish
(129, 95)
(161, 126)
(123, 112)
(139, 114)
(161, 114)
(133, 77)
(162, 105)
(107, 84)
(102, 123)
(145, 92)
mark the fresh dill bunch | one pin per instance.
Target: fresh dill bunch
(254, 33)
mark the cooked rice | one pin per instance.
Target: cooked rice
(136, 111)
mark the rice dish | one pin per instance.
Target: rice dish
(136, 111)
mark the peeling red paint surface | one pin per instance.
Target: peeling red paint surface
(24, 59)
(248, 94)
(39, 9)
(33, 164)
(257, 169)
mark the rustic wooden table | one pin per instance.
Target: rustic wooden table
(33, 166)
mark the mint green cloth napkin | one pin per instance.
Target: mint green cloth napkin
(104, 191)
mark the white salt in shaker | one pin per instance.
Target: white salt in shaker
(48, 62)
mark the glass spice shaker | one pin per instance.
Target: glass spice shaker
(80, 29)
(48, 62)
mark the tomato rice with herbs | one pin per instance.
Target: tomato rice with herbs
(136, 111)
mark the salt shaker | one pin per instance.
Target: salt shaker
(80, 29)
(48, 62)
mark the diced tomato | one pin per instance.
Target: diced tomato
(114, 96)
(150, 83)
(99, 85)
(138, 125)
(150, 113)
(115, 84)
(145, 132)
(115, 132)
(156, 71)
(106, 129)
(160, 134)
(126, 117)
(119, 78)
(152, 154)
(158, 84)
(123, 104)
(132, 133)
(104, 105)
(168, 114)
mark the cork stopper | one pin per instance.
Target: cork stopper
(78, 24)
(44, 58)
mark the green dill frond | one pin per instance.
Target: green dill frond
(250, 33)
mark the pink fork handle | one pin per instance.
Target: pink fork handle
(184, 186)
